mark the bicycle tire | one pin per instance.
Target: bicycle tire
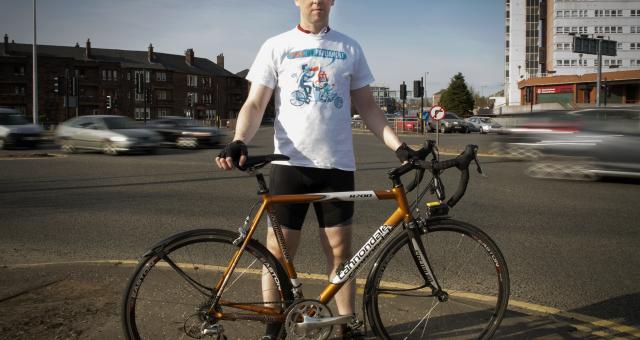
(159, 303)
(477, 286)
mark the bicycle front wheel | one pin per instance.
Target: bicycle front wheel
(469, 268)
(169, 295)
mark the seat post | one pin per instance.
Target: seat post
(262, 184)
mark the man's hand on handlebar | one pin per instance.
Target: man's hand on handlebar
(233, 154)
(405, 153)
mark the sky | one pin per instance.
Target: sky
(402, 39)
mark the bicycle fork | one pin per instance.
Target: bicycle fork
(419, 255)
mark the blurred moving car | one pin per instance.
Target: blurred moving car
(450, 123)
(186, 132)
(16, 130)
(483, 124)
(585, 144)
(108, 133)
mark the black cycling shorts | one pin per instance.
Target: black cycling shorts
(287, 180)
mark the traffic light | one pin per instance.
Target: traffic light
(417, 89)
(56, 85)
(189, 100)
(403, 91)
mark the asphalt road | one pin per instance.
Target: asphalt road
(569, 245)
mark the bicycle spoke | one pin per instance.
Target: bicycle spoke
(241, 274)
(435, 304)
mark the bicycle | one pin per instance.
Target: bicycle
(437, 277)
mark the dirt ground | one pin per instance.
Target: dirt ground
(54, 304)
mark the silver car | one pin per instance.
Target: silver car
(484, 124)
(109, 134)
(16, 130)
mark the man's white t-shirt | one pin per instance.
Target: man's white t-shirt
(312, 75)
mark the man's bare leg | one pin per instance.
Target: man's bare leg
(336, 243)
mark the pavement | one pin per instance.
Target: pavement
(82, 300)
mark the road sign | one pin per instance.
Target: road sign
(590, 46)
(437, 112)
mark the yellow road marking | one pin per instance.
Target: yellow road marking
(588, 321)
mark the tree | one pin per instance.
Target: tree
(457, 98)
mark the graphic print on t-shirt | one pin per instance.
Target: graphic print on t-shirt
(313, 81)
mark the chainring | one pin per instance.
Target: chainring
(296, 313)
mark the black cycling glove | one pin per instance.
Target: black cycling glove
(234, 150)
(405, 153)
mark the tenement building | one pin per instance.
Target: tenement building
(539, 44)
(140, 84)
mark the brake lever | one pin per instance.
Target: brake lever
(478, 167)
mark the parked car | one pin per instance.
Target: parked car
(186, 132)
(16, 130)
(110, 134)
(483, 124)
(450, 123)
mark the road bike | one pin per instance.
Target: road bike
(432, 277)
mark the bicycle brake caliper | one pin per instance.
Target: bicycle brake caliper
(242, 232)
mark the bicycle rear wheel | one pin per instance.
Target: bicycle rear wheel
(168, 295)
(468, 266)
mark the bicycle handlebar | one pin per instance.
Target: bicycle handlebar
(461, 162)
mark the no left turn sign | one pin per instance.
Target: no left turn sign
(437, 112)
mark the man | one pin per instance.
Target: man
(315, 134)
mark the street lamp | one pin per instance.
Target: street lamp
(35, 68)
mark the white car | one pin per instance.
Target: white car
(484, 124)
(106, 133)
(16, 130)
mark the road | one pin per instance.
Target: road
(569, 245)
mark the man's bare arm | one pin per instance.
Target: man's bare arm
(249, 119)
(374, 118)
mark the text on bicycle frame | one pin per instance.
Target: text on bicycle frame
(350, 266)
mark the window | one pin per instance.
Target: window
(163, 111)
(619, 46)
(161, 95)
(559, 14)
(635, 12)
(20, 90)
(104, 74)
(635, 62)
(115, 75)
(635, 46)
(574, 62)
(161, 76)
(635, 29)
(140, 113)
(18, 70)
(192, 80)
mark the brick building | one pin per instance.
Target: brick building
(182, 85)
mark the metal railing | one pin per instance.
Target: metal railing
(399, 125)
